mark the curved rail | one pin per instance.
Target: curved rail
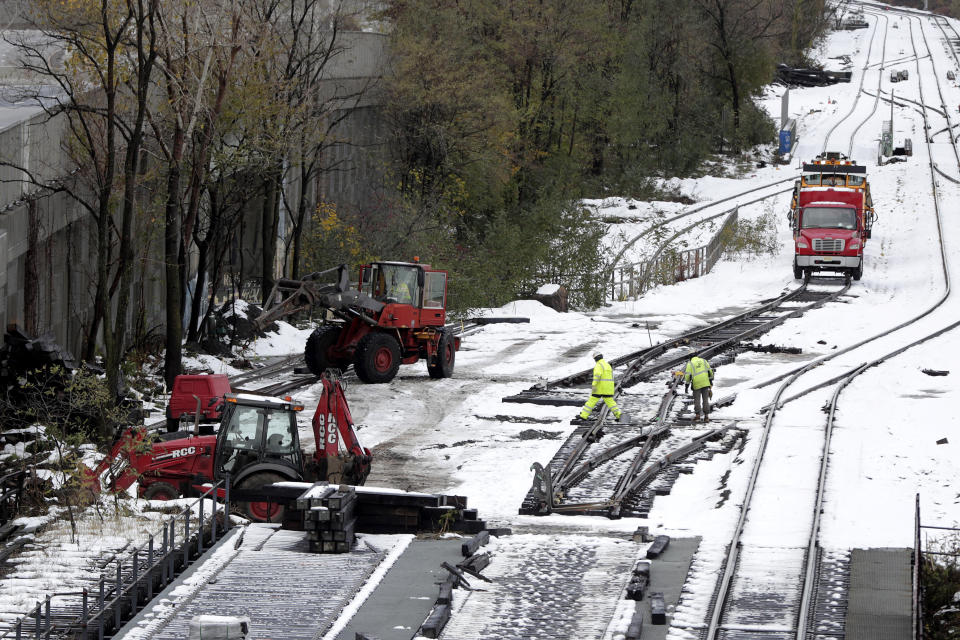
(734, 548)
(863, 76)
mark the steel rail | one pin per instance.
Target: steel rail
(660, 348)
(791, 377)
(863, 75)
(569, 475)
(626, 485)
(876, 101)
(680, 216)
(638, 359)
(850, 376)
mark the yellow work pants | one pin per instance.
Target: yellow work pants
(592, 402)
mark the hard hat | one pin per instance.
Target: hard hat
(597, 355)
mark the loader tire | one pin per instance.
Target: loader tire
(161, 491)
(261, 511)
(441, 365)
(377, 358)
(316, 353)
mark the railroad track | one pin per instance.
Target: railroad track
(587, 478)
(771, 583)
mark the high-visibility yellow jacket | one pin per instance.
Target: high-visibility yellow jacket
(698, 373)
(602, 379)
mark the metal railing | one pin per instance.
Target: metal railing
(633, 280)
(131, 583)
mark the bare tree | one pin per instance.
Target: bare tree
(101, 95)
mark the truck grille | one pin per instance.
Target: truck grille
(827, 244)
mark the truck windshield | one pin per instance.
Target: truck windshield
(829, 218)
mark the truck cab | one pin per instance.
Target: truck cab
(828, 233)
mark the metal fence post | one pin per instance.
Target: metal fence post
(226, 503)
(200, 528)
(103, 586)
(186, 538)
(150, 568)
(136, 579)
(163, 559)
(173, 534)
(117, 595)
(46, 614)
(84, 616)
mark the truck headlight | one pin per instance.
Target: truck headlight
(802, 244)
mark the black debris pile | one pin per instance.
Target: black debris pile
(329, 517)
(232, 324)
(22, 355)
(772, 348)
(799, 77)
(935, 372)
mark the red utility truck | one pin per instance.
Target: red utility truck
(258, 443)
(832, 217)
(195, 395)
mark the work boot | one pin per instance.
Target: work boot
(617, 417)
(580, 420)
(696, 417)
(706, 418)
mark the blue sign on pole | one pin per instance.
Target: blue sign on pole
(786, 141)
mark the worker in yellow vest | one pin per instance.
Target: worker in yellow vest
(699, 374)
(602, 387)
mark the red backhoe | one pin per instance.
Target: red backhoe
(258, 443)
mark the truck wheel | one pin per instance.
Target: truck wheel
(441, 365)
(261, 511)
(161, 491)
(316, 351)
(377, 358)
(797, 271)
(858, 272)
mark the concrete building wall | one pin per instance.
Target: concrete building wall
(48, 241)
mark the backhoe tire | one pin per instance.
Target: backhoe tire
(377, 358)
(261, 511)
(161, 491)
(441, 365)
(316, 351)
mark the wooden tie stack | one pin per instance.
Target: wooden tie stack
(329, 517)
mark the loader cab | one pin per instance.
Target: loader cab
(406, 283)
(258, 430)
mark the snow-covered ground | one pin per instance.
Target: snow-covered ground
(894, 432)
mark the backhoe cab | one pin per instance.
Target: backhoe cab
(395, 315)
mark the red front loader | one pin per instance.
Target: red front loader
(394, 316)
(258, 443)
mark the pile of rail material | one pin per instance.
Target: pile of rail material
(329, 517)
(333, 514)
(797, 77)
